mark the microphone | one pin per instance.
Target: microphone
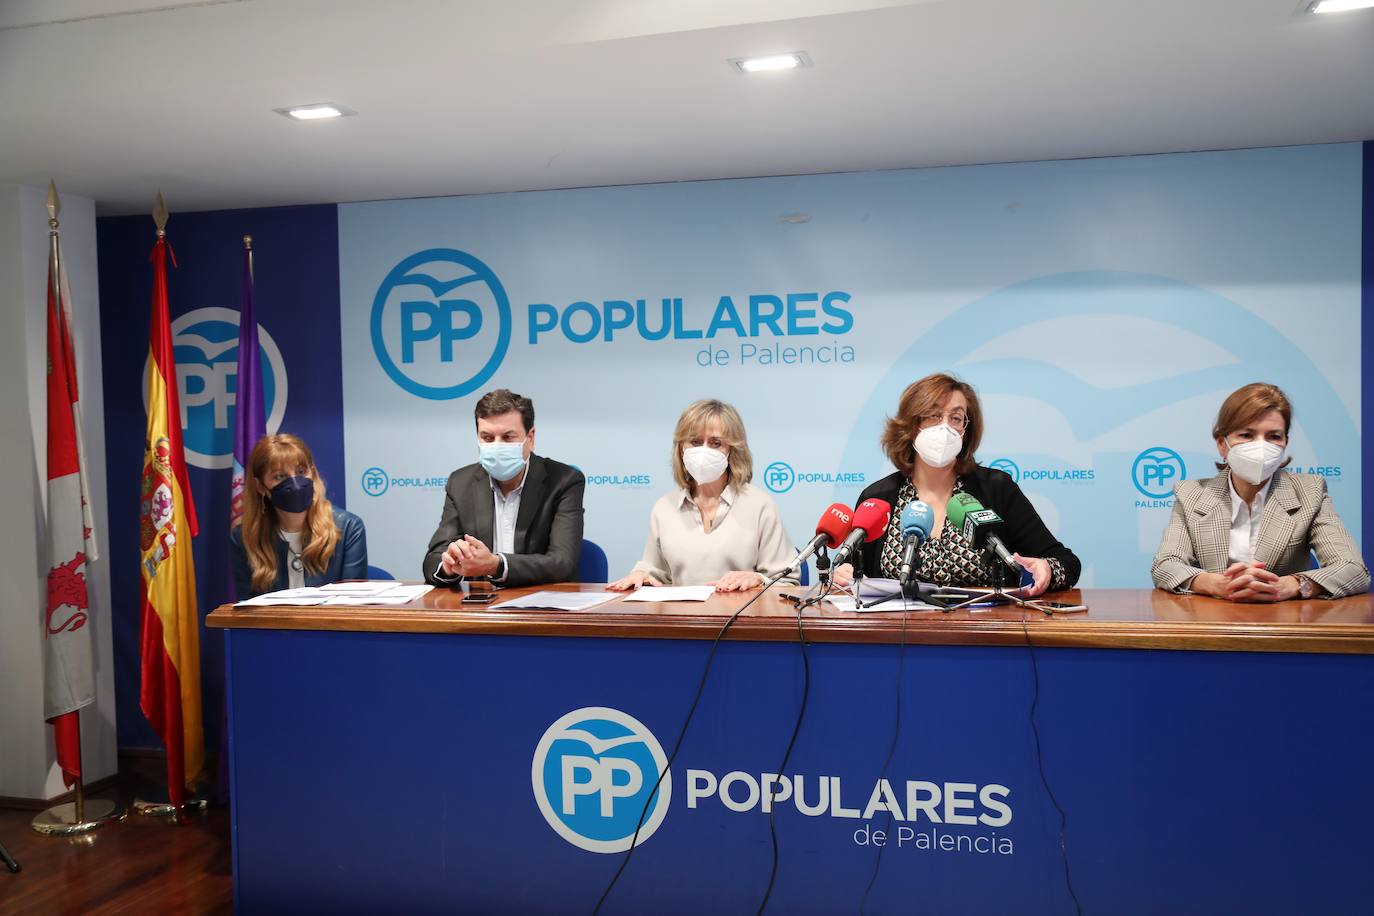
(980, 527)
(830, 531)
(870, 521)
(917, 521)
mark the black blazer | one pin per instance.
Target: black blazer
(1024, 532)
(548, 529)
(349, 560)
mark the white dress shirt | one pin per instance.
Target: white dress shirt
(746, 534)
(505, 510)
(1245, 522)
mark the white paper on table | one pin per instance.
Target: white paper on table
(361, 588)
(308, 591)
(876, 587)
(396, 595)
(846, 603)
(672, 593)
(289, 600)
(558, 601)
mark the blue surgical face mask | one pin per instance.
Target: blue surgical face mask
(503, 460)
(294, 494)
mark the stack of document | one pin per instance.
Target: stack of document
(558, 601)
(371, 594)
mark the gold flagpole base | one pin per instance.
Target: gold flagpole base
(162, 807)
(60, 820)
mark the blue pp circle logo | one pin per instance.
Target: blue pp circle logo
(593, 771)
(779, 477)
(1009, 466)
(375, 482)
(440, 314)
(1157, 470)
(205, 343)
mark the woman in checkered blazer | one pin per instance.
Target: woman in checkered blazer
(1246, 534)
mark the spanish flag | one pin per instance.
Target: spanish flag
(170, 694)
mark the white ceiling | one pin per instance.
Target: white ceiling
(118, 98)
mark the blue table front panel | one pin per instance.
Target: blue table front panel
(392, 772)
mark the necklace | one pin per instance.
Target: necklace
(296, 562)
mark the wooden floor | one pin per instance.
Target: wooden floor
(140, 865)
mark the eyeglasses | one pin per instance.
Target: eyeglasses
(957, 420)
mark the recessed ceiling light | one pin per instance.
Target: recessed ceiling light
(789, 61)
(1338, 6)
(317, 112)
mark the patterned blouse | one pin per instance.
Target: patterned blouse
(948, 559)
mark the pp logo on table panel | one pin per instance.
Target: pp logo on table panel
(205, 343)
(593, 771)
(1157, 470)
(441, 315)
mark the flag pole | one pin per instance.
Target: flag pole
(155, 801)
(69, 818)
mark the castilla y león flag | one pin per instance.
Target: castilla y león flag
(170, 694)
(69, 666)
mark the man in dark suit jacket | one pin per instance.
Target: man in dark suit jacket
(514, 516)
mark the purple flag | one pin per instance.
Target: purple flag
(250, 422)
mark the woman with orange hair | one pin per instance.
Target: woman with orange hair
(931, 441)
(290, 535)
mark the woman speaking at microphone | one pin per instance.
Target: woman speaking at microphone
(1245, 535)
(289, 535)
(717, 528)
(932, 440)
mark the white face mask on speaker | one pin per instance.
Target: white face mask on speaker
(704, 463)
(1255, 462)
(938, 446)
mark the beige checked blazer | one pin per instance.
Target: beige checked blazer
(1298, 517)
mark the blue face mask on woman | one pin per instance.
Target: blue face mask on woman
(503, 460)
(294, 494)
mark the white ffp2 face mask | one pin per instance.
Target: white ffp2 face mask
(938, 446)
(1255, 462)
(704, 463)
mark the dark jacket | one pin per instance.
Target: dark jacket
(349, 560)
(548, 528)
(1023, 532)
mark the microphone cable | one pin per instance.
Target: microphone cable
(892, 749)
(782, 767)
(677, 745)
(1040, 763)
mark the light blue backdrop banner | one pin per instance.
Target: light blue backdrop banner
(1102, 308)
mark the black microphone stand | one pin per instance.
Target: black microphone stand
(8, 859)
(999, 572)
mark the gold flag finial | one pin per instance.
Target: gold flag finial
(248, 242)
(160, 215)
(54, 204)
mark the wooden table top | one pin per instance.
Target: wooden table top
(1116, 619)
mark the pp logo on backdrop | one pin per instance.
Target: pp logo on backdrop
(1009, 466)
(375, 482)
(441, 324)
(1157, 470)
(205, 343)
(779, 477)
(593, 771)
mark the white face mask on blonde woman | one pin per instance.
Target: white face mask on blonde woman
(704, 463)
